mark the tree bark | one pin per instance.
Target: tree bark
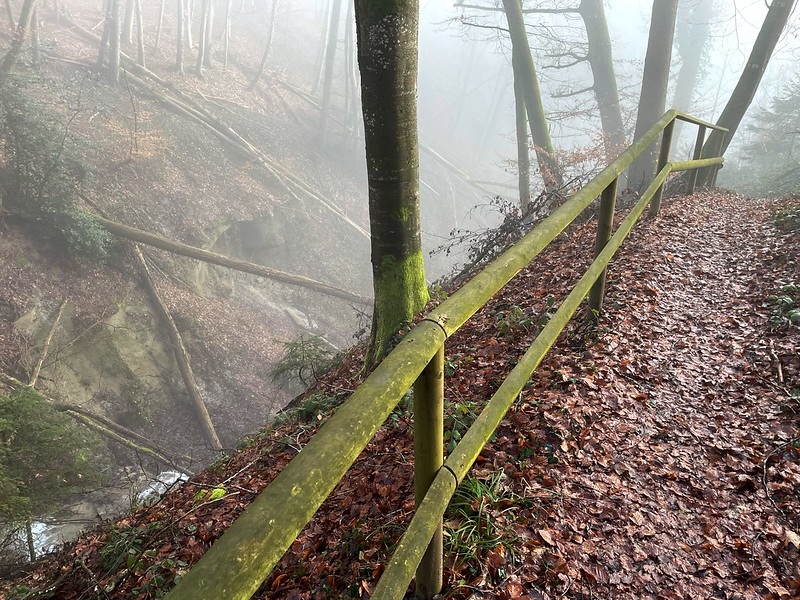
(387, 57)
(653, 98)
(20, 33)
(139, 33)
(179, 350)
(604, 78)
(179, 31)
(522, 63)
(203, 42)
(157, 241)
(330, 60)
(114, 42)
(523, 151)
(270, 29)
(745, 90)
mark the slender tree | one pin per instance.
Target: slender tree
(523, 155)
(114, 41)
(270, 30)
(745, 90)
(127, 26)
(330, 60)
(139, 33)
(389, 106)
(179, 35)
(20, 33)
(653, 98)
(524, 70)
(604, 82)
(202, 44)
(160, 25)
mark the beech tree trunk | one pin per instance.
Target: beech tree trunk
(202, 43)
(270, 29)
(20, 33)
(389, 106)
(209, 27)
(114, 40)
(330, 61)
(179, 31)
(127, 27)
(139, 33)
(160, 25)
(604, 77)
(524, 70)
(653, 98)
(523, 151)
(745, 90)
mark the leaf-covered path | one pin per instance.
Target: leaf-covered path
(657, 458)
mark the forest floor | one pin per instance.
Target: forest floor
(658, 457)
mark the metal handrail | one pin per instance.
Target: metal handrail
(236, 565)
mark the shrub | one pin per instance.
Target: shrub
(305, 360)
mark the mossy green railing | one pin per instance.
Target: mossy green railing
(236, 565)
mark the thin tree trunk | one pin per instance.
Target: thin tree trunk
(227, 33)
(745, 90)
(127, 27)
(262, 67)
(10, 14)
(320, 64)
(604, 77)
(160, 25)
(201, 44)
(692, 44)
(522, 63)
(181, 356)
(101, 52)
(209, 24)
(139, 33)
(29, 537)
(330, 61)
(35, 36)
(20, 34)
(523, 151)
(114, 42)
(179, 33)
(188, 23)
(655, 80)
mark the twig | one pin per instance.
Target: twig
(776, 359)
(764, 467)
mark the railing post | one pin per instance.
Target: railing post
(663, 159)
(428, 459)
(717, 152)
(605, 223)
(698, 152)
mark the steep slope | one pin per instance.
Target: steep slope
(657, 457)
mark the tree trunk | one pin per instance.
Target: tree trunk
(320, 64)
(522, 63)
(10, 14)
(523, 151)
(160, 25)
(35, 35)
(209, 26)
(691, 41)
(127, 27)
(187, 21)
(139, 33)
(330, 60)
(115, 33)
(227, 33)
(389, 104)
(745, 90)
(20, 33)
(202, 43)
(101, 52)
(653, 98)
(270, 29)
(179, 31)
(604, 77)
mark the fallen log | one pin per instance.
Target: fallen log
(157, 241)
(181, 356)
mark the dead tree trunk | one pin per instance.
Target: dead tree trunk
(46, 347)
(181, 356)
